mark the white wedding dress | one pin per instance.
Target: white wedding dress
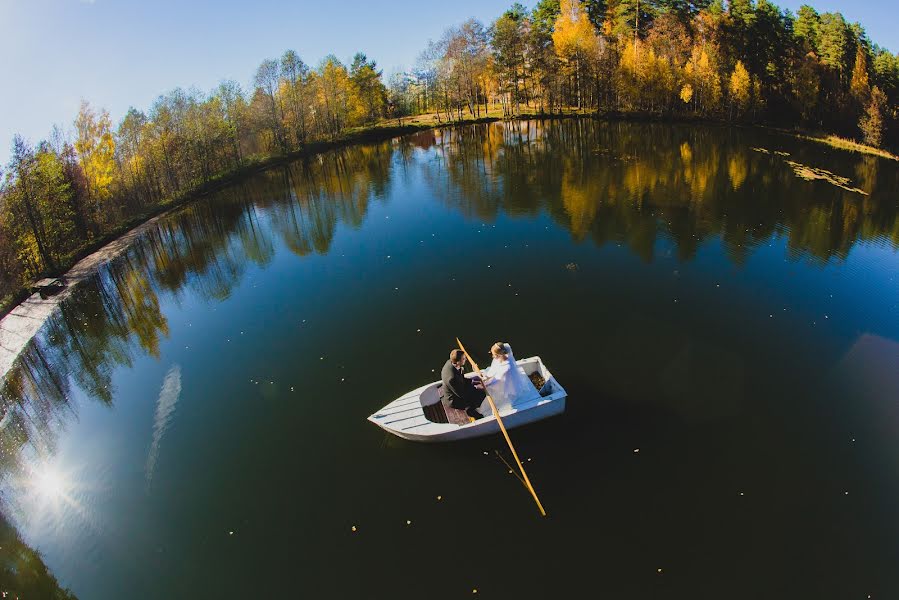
(508, 384)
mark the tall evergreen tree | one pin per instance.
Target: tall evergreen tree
(833, 40)
(807, 28)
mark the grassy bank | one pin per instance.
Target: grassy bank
(380, 131)
(844, 144)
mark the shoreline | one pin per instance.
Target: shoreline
(19, 326)
(25, 314)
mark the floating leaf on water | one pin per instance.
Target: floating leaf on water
(636, 450)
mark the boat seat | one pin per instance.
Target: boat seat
(442, 412)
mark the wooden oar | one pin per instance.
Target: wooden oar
(502, 427)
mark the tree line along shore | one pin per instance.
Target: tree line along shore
(740, 62)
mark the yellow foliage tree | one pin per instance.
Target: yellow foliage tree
(574, 39)
(332, 86)
(95, 146)
(629, 76)
(701, 73)
(646, 80)
(739, 88)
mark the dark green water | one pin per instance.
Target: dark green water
(191, 424)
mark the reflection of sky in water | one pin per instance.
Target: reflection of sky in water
(165, 410)
(715, 294)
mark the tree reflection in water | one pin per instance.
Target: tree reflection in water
(617, 183)
(630, 183)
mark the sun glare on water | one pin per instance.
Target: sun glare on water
(49, 483)
(49, 491)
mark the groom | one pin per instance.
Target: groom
(457, 390)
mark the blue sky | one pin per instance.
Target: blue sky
(121, 53)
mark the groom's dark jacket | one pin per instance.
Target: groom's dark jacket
(457, 390)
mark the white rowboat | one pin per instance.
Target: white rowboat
(420, 415)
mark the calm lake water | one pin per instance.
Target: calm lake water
(192, 423)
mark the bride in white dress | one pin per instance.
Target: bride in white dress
(506, 382)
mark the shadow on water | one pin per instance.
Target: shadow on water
(663, 193)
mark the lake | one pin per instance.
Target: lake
(721, 304)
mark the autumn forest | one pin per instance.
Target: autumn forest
(738, 61)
